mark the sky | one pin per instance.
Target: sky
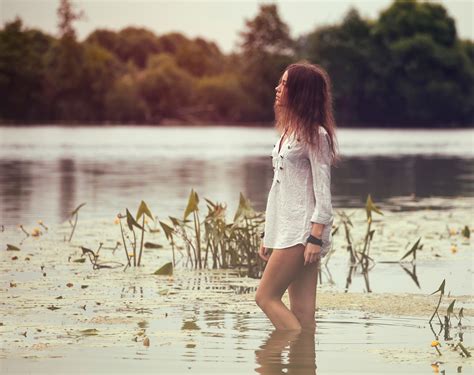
(219, 20)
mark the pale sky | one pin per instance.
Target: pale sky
(218, 21)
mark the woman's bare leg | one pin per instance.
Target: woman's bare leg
(282, 268)
(302, 292)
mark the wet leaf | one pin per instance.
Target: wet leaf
(52, 308)
(190, 325)
(131, 222)
(60, 297)
(146, 342)
(451, 308)
(168, 230)
(370, 206)
(77, 209)
(12, 285)
(412, 250)
(441, 287)
(144, 210)
(167, 269)
(244, 210)
(84, 286)
(89, 332)
(69, 285)
(193, 203)
(80, 260)
(151, 245)
(466, 232)
(12, 248)
(14, 258)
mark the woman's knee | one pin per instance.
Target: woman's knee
(262, 299)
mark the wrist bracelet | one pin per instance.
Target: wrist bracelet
(315, 240)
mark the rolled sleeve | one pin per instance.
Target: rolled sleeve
(321, 173)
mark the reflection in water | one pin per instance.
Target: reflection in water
(287, 351)
(40, 178)
(68, 187)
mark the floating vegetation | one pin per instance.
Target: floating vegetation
(447, 324)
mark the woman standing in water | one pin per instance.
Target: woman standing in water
(299, 212)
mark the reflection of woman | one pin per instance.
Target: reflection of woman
(288, 352)
(299, 213)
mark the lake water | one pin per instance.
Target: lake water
(45, 172)
(61, 316)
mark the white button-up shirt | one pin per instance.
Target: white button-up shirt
(300, 194)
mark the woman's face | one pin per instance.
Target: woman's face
(281, 89)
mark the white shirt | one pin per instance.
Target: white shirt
(300, 194)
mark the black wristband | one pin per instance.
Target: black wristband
(315, 240)
(262, 234)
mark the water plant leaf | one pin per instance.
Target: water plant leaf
(89, 332)
(144, 210)
(412, 250)
(12, 248)
(441, 287)
(370, 206)
(244, 210)
(466, 232)
(168, 230)
(166, 270)
(151, 245)
(193, 202)
(190, 325)
(450, 308)
(77, 209)
(132, 222)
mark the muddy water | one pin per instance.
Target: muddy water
(59, 316)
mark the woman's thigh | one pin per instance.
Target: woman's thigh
(282, 268)
(302, 290)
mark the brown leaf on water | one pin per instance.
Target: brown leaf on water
(146, 342)
(52, 308)
(12, 285)
(80, 260)
(69, 285)
(167, 269)
(14, 258)
(151, 245)
(60, 297)
(12, 248)
(89, 332)
(84, 286)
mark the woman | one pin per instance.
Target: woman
(299, 213)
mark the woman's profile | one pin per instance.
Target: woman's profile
(299, 214)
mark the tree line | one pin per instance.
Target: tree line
(406, 68)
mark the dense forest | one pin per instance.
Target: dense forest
(406, 68)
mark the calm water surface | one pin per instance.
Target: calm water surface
(45, 172)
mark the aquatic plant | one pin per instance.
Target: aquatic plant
(447, 324)
(213, 240)
(132, 223)
(74, 214)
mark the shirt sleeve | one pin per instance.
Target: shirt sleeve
(321, 173)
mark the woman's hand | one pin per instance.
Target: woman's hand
(263, 252)
(312, 253)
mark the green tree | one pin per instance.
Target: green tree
(266, 48)
(21, 72)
